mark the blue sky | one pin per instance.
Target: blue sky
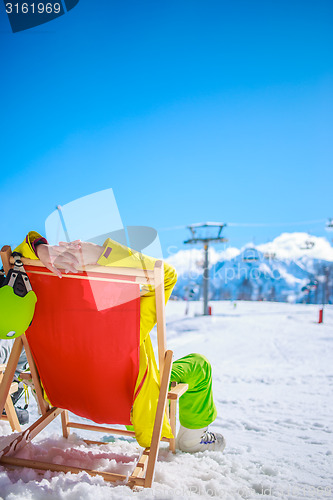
(189, 111)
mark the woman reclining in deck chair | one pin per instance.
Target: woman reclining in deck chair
(196, 407)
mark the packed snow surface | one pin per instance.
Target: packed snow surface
(273, 378)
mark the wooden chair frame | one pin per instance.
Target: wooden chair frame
(10, 416)
(143, 473)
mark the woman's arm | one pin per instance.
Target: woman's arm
(53, 257)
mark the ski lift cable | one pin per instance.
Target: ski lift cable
(276, 224)
(264, 224)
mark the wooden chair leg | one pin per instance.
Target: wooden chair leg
(173, 410)
(155, 442)
(10, 372)
(64, 423)
(11, 415)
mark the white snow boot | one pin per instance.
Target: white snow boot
(192, 440)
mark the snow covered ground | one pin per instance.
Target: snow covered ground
(273, 379)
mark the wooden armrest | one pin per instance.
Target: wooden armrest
(177, 391)
(25, 376)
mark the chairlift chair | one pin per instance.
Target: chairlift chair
(329, 225)
(250, 255)
(308, 244)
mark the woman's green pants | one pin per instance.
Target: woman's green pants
(196, 406)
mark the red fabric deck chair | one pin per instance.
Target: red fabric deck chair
(89, 323)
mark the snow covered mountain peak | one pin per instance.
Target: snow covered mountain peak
(294, 246)
(292, 267)
(287, 246)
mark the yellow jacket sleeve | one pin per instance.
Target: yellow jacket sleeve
(26, 247)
